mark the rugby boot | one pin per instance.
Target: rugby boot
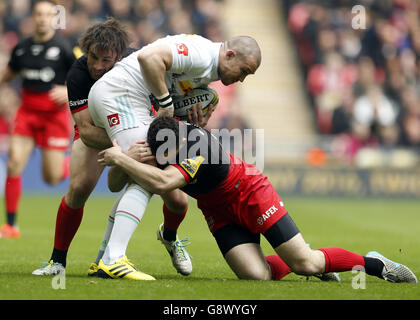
(122, 269)
(181, 259)
(93, 269)
(50, 268)
(8, 231)
(393, 271)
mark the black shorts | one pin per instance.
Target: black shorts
(232, 235)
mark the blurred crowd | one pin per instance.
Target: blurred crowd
(147, 20)
(361, 66)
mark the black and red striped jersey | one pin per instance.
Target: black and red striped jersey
(79, 83)
(42, 64)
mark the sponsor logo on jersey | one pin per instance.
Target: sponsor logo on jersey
(20, 52)
(58, 142)
(53, 53)
(182, 49)
(185, 86)
(113, 119)
(36, 49)
(192, 165)
(269, 213)
(77, 103)
(45, 74)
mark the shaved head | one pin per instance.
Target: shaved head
(238, 58)
(245, 47)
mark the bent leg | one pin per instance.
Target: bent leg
(289, 244)
(84, 174)
(242, 252)
(247, 262)
(20, 149)
(51, 172)
(300, 258)
(174, 210)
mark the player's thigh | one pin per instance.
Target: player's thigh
(84, 173)
(126, 138)
(176, 201)
(125, 116)
(242, 252)
(52, 165)
(20, 149)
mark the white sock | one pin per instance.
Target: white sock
(108, 229)
(128, 214)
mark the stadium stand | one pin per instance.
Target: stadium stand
(273, 98)
(363, 83)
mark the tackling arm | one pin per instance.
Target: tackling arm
(151, 178)
(92, 136)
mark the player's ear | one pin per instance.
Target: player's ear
(230, 53)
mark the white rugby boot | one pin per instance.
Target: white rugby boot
(181, 259)
(393, 271)
(329, 276)
(50, 268)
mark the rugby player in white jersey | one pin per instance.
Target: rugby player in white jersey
(103, 44)
(120, 102)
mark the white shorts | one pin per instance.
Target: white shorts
(125, 115)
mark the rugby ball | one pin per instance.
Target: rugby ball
(205, 96)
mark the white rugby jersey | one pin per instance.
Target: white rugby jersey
(194, 64)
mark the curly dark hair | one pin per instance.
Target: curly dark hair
(161, 123)
(108, 35)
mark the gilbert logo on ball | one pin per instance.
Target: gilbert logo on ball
(203, 96)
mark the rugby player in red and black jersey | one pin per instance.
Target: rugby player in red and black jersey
(43, 119)
(239, 204)
(103, 44)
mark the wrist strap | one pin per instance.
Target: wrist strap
(165, 100)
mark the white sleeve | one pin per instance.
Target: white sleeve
(189, 57)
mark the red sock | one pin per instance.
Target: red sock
(13, 191)
(337, 259)
(67, 224)
(66, 167)
(172, 220)
(279, 269)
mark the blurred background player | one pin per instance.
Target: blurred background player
(43, 119)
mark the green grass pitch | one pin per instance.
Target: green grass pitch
(360, 225)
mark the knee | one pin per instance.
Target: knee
(255, 274)
(14, 166)
(78, 193)
(305, 267)
(51, 179)
(178, 204)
